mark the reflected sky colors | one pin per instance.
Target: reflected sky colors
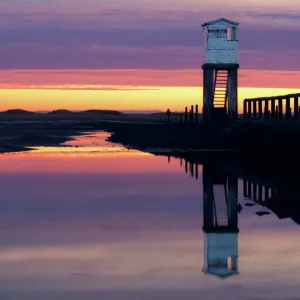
(135, 45)
(72, 227)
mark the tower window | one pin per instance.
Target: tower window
(229, 263)
(231, 34)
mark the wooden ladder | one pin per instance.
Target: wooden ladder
(220, 92)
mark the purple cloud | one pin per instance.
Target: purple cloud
(118, 38)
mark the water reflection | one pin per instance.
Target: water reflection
(221, 209)
(282, 201)
(220, 222)
(220, 218)
(125, 225)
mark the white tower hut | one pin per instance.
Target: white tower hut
(220, 68)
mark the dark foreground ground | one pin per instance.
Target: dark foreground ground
(19, 129)
(263, 139)
(255, 136)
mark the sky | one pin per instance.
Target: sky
(137, 54)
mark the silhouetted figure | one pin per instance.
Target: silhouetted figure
(168, 113)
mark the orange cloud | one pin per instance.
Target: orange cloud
(128, 89)
(134, 79)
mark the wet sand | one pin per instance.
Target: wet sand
(20, 130)
(21, 136)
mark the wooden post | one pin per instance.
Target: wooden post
(249, 109)
(266, 193)
(232, 95)
(266, 109)
(197, 171)
(192, 169)
(288, 108)
(260, 193)
(245, 108)
(232, 202)
(255, 191)
(296, 107)
(192, 114)
(254, 108)
(180, 161)
(186, 166)
(197, 114)
(208, 91)
(276, 113)
(186, 115)
(245, 188)
(249, 193)
(273, 112)
(260, 109)
(280, 109)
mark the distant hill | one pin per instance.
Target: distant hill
(91, 114)
(85, 112)
(60, 111)
(18, 112)
(106, 112)
(140, 111)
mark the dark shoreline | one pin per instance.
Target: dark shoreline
(23, 136)
(256, 137)
(267, 164)
(266, 152)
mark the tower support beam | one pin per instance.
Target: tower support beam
(212, 85)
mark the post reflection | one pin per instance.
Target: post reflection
(282, 200)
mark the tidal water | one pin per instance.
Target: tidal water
(92, 220)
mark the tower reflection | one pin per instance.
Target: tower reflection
(267, 194)
(220, 222)
(220, 218)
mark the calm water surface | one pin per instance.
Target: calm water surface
(97, 221)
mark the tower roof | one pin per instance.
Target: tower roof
(221, 273)
(220, 20)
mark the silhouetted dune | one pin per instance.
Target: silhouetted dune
(106, 112)
(94, 112)
(18, 112)
(60, 111)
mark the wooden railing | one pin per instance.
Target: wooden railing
(275, 107)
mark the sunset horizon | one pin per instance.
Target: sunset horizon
(149, 149)
(136, 56)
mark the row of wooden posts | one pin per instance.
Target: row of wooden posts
(259, 107)
(190, 167)
(190, 116)
(257, 192)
